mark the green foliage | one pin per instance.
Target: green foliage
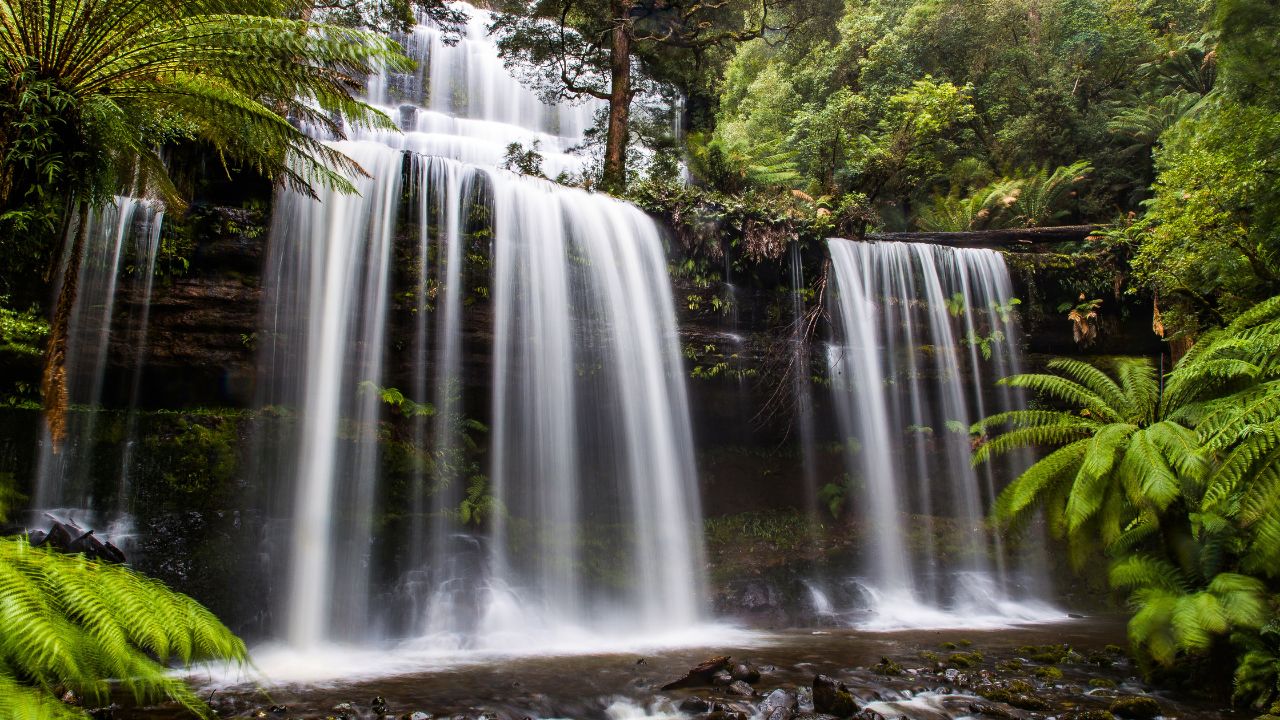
(196, 456)
(68, 623)
(90, 92)
(943, 115)
(1177, 478)
(526, 161)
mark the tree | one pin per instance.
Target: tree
(1211, 246)
(1178, 480)
(90, 90)
(587, 48)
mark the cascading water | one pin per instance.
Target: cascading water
(120, 243)
(593, 528)
(922, 332)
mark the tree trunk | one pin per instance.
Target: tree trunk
(615, 149)
(53, 385)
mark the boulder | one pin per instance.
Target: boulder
(745, 673)
(779, 698)
(831, 697)
(741, 689)
(1135, 707)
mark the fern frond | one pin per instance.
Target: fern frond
(1061, 388)
(1038, 481)
(1136, 572)
(1096, 381)
(1088, 491)
(68, 622)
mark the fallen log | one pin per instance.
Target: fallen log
(1012, 238)
(700, 675)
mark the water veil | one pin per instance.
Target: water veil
(921, 335)
(448, 274)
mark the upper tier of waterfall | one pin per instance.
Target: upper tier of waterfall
(595, 524)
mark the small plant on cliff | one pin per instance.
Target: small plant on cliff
(71, 628)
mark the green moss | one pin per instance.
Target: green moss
(1135, 707)
(1101, 683)
(1018, 693)
(964, 660)
(1051, 654)
(887, 667)
(930, 656)
(1047, 672)
(1014, 665)
(948, 645)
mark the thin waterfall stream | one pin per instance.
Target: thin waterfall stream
(922, 332)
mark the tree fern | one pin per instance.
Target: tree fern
(1181, 487)
(66, 622)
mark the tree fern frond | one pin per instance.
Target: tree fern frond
(1037, 481)
(1136, 572)
(68, 622)
(1096, 380)
(1088, 491)
(1066, 390)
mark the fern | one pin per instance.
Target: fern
(66, 622)
(1181, 487)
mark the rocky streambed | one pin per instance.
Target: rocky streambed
(1075, 670)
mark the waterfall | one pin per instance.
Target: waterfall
(592, 522)
(121, 239)
(922, 333)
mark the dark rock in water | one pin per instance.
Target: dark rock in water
(69, 538)
(642, 661)
(696, 704)
(741, 689)
(867, 714)
(745, 673)
(379, 706)
(104, 713)
(700, 675)
(1135, 707)
(1088, 715)
(779, 714)
(345, 711)
(990, 710)
(779, 698)
(1018, 693)
(277, 709)
(830, 696)
(726, 715)
(721, 678)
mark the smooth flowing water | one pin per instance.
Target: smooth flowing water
(120, 243)
(582, 522)
(922, 334)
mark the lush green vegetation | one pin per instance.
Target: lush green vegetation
(91, 91)
(1177, 479)
(68, 624)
